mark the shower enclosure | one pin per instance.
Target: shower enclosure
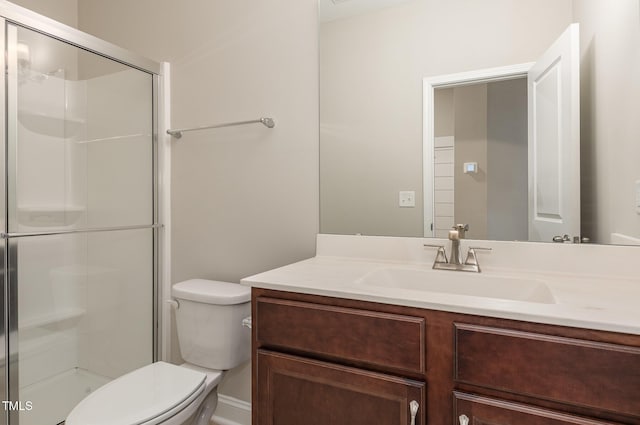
(80, 222)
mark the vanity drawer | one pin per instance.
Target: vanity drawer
(384, 341)
(592, 374)
(484, 411)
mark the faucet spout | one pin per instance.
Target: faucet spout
(455, 235)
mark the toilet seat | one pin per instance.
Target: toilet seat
(146, 396)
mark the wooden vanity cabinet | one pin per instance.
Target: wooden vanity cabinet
(333, 361)
(325, 364)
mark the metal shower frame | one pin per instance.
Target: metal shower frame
(19, 16)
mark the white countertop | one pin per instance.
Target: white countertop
(586, 301)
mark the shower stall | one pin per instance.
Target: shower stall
(79, 222)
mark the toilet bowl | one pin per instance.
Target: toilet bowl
(212, 340)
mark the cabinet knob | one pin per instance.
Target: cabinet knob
(413, 408)
(464, 420)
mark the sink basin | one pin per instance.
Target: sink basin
(460, 283)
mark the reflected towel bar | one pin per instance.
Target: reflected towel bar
(267, 122)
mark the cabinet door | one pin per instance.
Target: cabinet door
(294, 390)
(477, 410)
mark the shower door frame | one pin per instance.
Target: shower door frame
(21, 17)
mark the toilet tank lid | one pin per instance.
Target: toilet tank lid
(212, 292)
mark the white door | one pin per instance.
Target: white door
(554, 140)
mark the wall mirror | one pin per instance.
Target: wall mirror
(517, 117)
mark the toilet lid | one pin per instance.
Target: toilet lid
(153, 391)
(212, 292)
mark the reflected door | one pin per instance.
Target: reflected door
(80, 222)
(554, 140)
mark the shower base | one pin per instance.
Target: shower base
(52, 399)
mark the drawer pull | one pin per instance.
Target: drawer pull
(413, 408)
(464, 420)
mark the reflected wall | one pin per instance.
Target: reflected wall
(371, 71)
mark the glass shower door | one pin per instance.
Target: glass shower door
(80, 216)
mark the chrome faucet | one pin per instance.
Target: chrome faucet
(471, 264)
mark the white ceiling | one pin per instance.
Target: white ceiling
(330, 10)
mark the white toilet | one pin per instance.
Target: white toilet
(212, 340)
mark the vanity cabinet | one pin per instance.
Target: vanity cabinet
(349, 365)
(321, 360)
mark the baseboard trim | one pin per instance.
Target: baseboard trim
(232, 411)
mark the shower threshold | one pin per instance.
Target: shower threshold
(53, 398)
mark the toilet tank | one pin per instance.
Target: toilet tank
(209, 323)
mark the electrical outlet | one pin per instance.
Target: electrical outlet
(407, 199)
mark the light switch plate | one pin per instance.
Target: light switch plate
(407, 199)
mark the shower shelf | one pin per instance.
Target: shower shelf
(52, 318)
(113, 138)
(47, 216)
(63, 118)
(50, 125)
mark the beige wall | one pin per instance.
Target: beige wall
(243, 199)
(372, 67)
(65, 11)
(443, 112)
(507, 177)
(470, 103)
(609, 39)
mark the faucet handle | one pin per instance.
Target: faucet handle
(441, 256)
(472, 258)
(480, 248)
